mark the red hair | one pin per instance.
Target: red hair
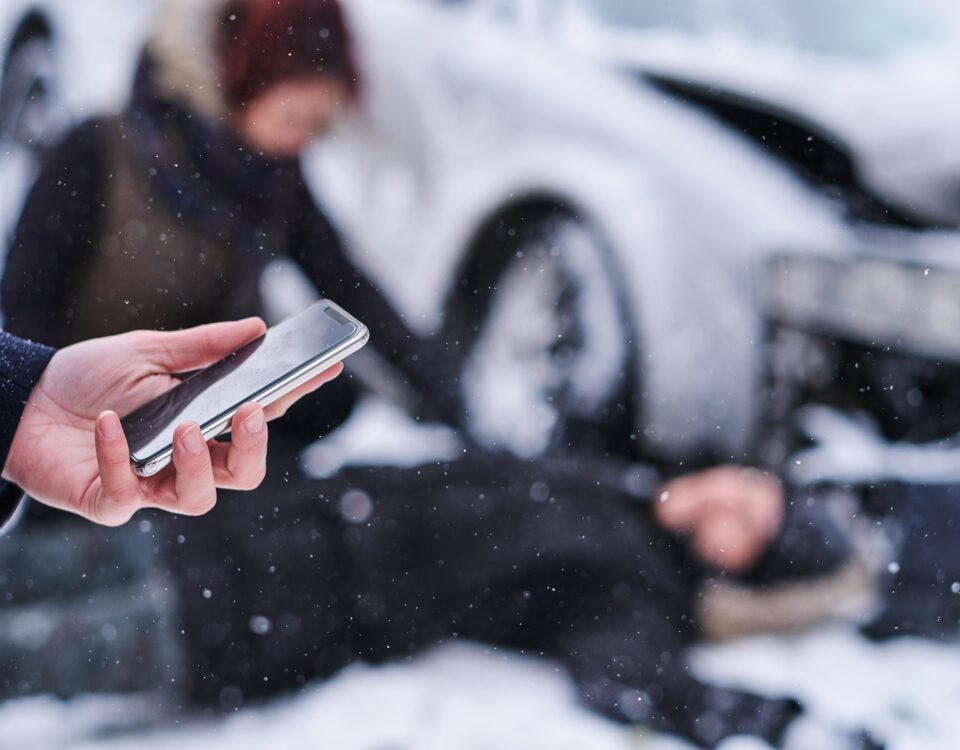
(267, 41)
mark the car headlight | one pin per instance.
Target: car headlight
(871, 301)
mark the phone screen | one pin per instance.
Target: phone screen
(210, 394)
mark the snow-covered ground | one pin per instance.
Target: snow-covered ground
(471, 697)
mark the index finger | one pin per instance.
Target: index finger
(195, 348)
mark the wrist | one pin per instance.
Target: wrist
(22, 363)
(12, 463)
(33, 427)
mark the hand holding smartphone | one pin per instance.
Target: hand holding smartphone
(262, 371)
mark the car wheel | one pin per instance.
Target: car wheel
(544, 340)
(31, 115)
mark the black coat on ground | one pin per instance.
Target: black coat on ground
(21, 365)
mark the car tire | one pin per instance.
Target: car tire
(545, 345)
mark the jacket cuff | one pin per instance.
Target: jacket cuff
(12, 504)
(21, 365)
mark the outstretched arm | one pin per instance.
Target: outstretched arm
(422, 363)
(69, 450)
(744, 521)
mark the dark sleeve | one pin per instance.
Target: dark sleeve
(21, 365)
(811, 543)
(423, 363)
(56, 232)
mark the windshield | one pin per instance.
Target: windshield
(843, 27)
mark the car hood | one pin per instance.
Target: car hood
(896, 118)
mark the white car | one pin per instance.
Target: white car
(586, 238)
(589, 238)
(873, 76)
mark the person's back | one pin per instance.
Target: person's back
(163, 216)
(127, 259)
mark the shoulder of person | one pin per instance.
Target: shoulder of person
(84, 143)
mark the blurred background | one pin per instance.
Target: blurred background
(691, 232)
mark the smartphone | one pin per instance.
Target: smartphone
(267, 368)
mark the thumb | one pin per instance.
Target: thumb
(194, 348)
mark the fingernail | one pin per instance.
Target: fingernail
(255, 422)
(110, 425)
(254, 319)
(193, 441)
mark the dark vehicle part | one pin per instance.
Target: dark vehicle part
(875, 341)
(30, 112)
(867, 336)
(807, 148)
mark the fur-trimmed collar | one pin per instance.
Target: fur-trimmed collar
(181, 47)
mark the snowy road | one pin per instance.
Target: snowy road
(469, 697)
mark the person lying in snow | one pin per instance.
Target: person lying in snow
(258, 597)
(166, 215)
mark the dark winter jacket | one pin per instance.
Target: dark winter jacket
(21, 365)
